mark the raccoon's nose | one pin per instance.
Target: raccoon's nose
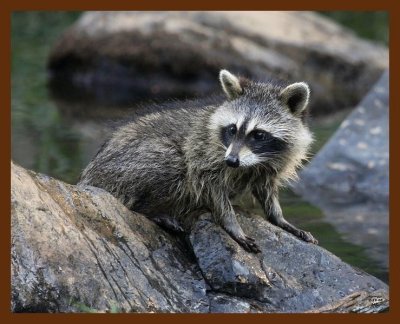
(232, 161)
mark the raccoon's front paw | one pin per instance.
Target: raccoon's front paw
(307, 236)
(248, 244)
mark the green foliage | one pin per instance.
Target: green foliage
(367, 24)
(82, 308)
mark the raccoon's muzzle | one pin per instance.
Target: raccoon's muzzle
(232, 161)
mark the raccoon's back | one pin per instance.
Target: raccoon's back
(145, 159)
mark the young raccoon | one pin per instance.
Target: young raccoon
(172, 163)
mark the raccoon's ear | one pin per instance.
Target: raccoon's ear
(295, 96)
(230, 84)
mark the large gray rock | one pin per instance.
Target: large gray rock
(349, 177)
(288, 276)
(77, 249)
(120, 57)
(353, 167)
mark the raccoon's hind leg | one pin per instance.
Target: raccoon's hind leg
(268, 198)
(225, 215)
(167, 222)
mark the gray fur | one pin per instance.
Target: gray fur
(172, 162)
(301, 92)
(230, 84)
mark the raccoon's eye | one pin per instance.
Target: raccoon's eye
(231, 130)
(260, 135)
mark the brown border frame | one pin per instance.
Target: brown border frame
(8, 6)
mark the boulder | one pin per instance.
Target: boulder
(288, 276)
(349, 177)
(125, 57)
(77, 249)
(353, 166)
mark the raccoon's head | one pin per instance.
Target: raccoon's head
(262, 123)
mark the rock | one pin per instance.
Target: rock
(354, 165)
(225, 267)
(220, 303)
(77, 249)
(349, 177)
(358, 303)
(122, 57)
(288, 276)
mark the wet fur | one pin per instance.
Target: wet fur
(169, 159)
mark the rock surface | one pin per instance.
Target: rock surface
(74, 248)
(353, 167)
(356, 303)
(77, 249)
(123, 57)
(349, 177)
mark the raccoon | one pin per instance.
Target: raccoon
(171, 163)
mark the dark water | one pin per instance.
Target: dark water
(58, 138)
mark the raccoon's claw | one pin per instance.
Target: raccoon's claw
(306, 236)
(249, 244)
